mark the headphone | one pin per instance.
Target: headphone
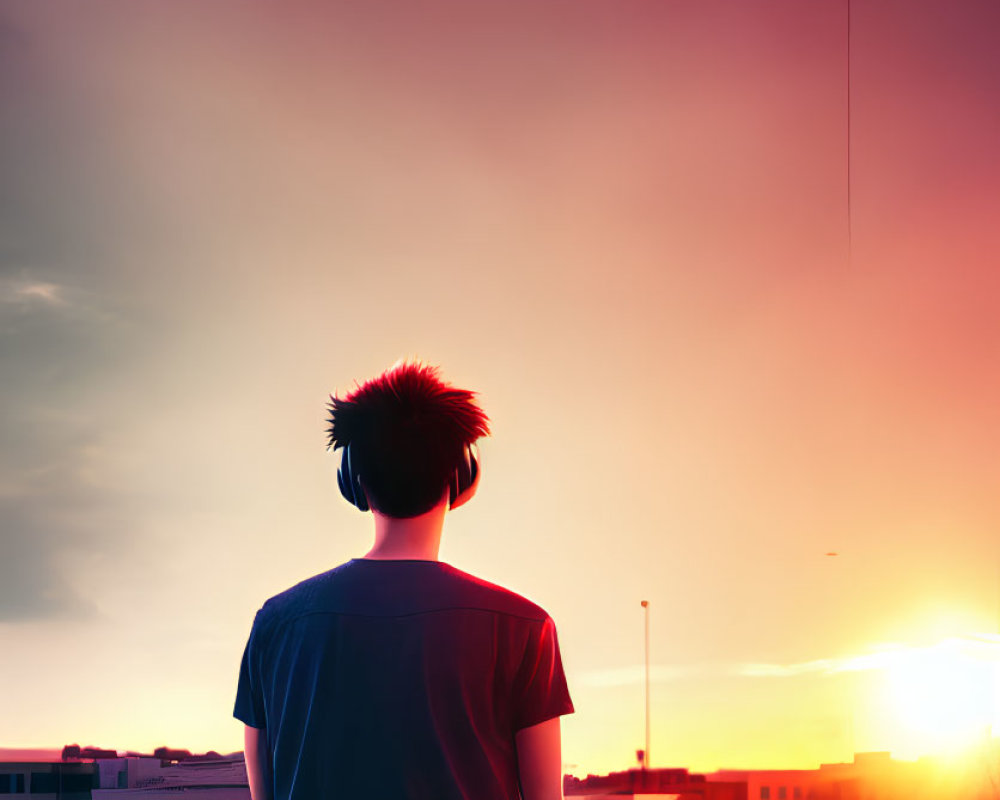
(460, 482)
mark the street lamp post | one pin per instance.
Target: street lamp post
(645, 606)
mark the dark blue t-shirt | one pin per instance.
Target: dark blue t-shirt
(398, 679)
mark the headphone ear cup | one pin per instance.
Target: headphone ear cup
(349, 483)
(464, 475)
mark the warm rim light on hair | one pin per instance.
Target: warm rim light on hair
(415, 385)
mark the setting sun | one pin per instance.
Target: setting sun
(941, 698)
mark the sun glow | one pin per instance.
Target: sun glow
(942, 698)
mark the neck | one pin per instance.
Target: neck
(410, 537)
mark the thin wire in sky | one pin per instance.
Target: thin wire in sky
(850, 239)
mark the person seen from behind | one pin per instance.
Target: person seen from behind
(395, 675)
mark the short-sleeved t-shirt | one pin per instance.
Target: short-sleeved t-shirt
(398, 679)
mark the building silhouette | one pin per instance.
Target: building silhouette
(95, 774)
(870, 776)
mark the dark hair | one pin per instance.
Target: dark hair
(407, 430)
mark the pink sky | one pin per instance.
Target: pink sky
(625, 225)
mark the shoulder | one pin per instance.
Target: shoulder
(493, 597)
(387, 588)
(293, 600)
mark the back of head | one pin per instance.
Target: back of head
(407, 431)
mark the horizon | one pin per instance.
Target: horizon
(987, 744)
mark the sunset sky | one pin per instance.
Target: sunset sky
(626, 225)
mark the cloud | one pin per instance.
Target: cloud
(977, 646)
(23, 292)
(983, 647)
(32, 584)
(73, 344)
(821, 666)
(50, 512)
(56, 503)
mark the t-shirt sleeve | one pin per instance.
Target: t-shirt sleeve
(540, 691)
(249, 695)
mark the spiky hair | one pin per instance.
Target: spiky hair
(407, 429)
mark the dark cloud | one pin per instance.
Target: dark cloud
(32, 584)
(50, 508)
(60, 346)
(71, 337)
(56, 359)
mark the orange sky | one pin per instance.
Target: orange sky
(626, 226)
